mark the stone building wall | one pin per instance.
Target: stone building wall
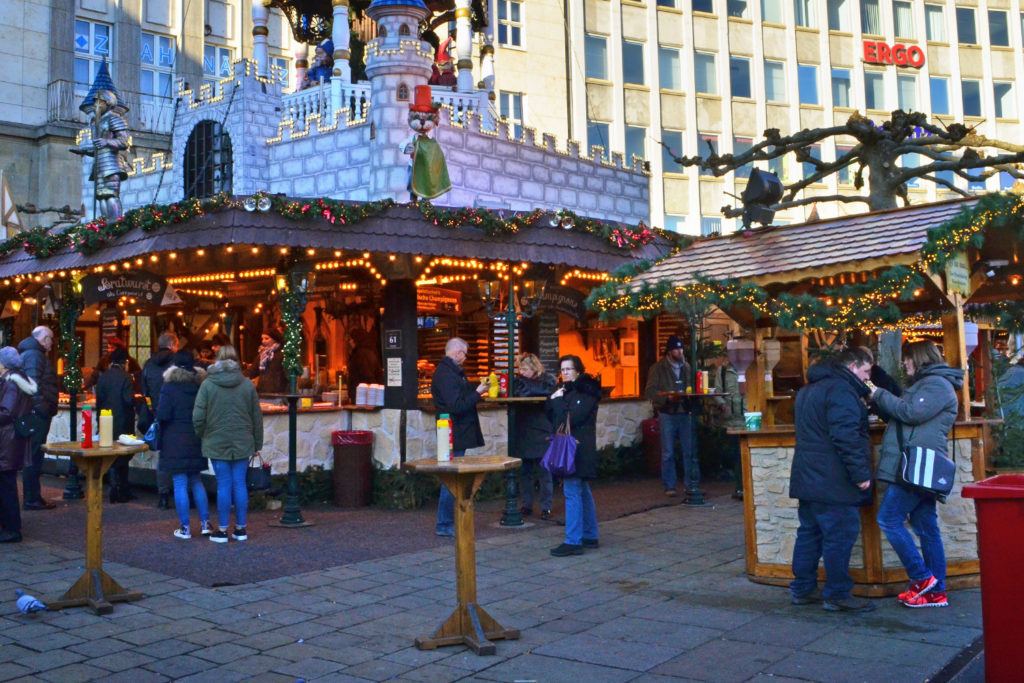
(776, 521)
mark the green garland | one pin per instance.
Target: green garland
(70, 310)
(1004, 210)
(291, 315)
(1007, 315)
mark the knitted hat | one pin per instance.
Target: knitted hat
(184, 360)
(119, 355)
(673, 343)
(10, 358)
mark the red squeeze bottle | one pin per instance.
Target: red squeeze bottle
(86, 427)
(503, 384)
(700, 383)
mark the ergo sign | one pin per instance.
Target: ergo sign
(877, 52)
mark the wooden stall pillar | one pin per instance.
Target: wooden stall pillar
(955, 349)
(756, 394)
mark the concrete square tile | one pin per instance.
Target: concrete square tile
(614, 653)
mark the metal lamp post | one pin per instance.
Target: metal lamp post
(293, 285)
(528, 301)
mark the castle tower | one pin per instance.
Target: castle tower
(396, 61)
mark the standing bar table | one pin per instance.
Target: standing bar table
(469, 624)
(94, 588)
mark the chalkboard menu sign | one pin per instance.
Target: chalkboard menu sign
(547, 340)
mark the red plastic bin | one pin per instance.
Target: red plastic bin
(353, 468)
(999, 502)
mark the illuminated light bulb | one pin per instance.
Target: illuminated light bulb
(311, 252)
(255, 250)
(284, 250)
(173, 255)
(153, 258)
(230, 249)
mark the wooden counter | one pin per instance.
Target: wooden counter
(770, 516)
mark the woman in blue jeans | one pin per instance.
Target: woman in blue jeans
(228, 419)
(925, 413)
(575, 401)
(181, 453)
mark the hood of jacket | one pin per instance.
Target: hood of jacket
(225, 373)
(162, 358)
(182, 376)
(587, 384)
(954, 376)
(828, 370)
(26, 384)
(30, 343)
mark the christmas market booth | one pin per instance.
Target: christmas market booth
(950, 270)
(366, 295)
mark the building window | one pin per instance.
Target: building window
(708, 145)
(845, 174)
(870, 17)
(809, 168)
(596, 56)
(771, 11)
(710, 225)
(1006, 181)
(874, 90)
(998, 28)
(670, 71)
(281, 70)
(739, 76)
(675, 223)
(597, 135)
(774, 81)
(672, 146)
(971, 97)
(738, 8)
(935, 23)
(666, 3)
(807, 79)
(778, 167)
(903, 18)
(510, 106)
(704, 73)
(742, 146)
(841, 84)
(207, 161)
(803, 11)
(911, 161)
(510, 23)
(707, 6)
(976, 182)
(92, 46)
(156, 57)
(966, 32)
(1004, 100)
(216, 63)
(939, 89)
(906, 91)
(636, 143)
(839, 15)
(947, 176)
(633, 62)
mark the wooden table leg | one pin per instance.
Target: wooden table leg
(468, 624)
(94, 588)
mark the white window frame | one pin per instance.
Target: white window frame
(909, 9)
(938, 35)
(643, 143)
(676, 73)
(840, 11)
(643, 71)
(711, 77)
(778, 16)
(901, 80)
(849, 86)
(586, 56)
(506, 108)
(510, 24)
(932, 82)
(94, 52)
(963, 96)
(769, 94)
(220, 70)
(158, 67)
(805, 68)
(283, 69)
(804, 13)
(871, 76)
(1005, 105)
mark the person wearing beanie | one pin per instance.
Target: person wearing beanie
(131, 365)
(152, 380)
(17, 391)
(181, 455)
(115, 392)
(672, 374)
(268, 368)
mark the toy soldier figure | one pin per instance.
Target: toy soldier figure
(428, 172)
(110, 143)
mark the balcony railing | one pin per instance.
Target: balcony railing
(146, 113)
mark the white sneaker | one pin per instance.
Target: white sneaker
(240, 534)
(182, 533)
(207, 529)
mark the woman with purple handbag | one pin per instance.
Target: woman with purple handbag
(572, 408)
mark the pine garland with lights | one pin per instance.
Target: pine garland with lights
(291, 315)
(69, 313)
(1003, 210)
(1007, 315)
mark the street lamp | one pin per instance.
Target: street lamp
(527, 301)
(293, 284)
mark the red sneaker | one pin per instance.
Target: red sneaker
(917, 588)
(933, 599)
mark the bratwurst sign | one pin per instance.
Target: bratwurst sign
(146, 289)
(878, 52)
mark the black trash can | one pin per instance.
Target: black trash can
(651, 432)
(353, 468)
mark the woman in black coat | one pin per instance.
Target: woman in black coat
(115, 391)
(576, 399)
(16, 395)
(533, 433)
(181, 453)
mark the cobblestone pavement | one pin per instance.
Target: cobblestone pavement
(663, 599)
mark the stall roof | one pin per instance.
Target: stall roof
(400, 229)
(789, 253)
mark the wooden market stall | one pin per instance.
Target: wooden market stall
(933, 281)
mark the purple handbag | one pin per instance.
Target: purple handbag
(560, 457)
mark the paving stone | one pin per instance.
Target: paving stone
(73, 673)
(224, 653)
(218, 675)
(120, 661)
(777, 630)
(168, 648)
(9, 671)
(309, 668)
(134, 676)
(812, 666)
(536, 667)
(900, 652)
(44, 661)
(377, 670)
(179, 666)
(615, 653)
(12, 652)
(100, 647)
(681, 637)
(256, 664)
(723, 660)
(433, 673)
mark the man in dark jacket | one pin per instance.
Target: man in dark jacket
(672, 374)
(115, 392)
(152, 381)
(37, 366)
(831, 477)
(455, 395)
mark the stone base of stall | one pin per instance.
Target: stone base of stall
(770, 515)
(618, 423)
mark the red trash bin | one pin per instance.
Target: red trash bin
(353, 468)
(999, 502)
(650, 431)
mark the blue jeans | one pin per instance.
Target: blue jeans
(676, 429)
(900, 504)
(230, 488)
(827, 531)
(580, 513)
(182, 483)
(445, 525)
(532, 471)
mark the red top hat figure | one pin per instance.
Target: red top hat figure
(424, 101)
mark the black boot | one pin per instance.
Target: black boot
(165, 502)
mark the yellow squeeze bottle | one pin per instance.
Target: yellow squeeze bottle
(106, 428)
